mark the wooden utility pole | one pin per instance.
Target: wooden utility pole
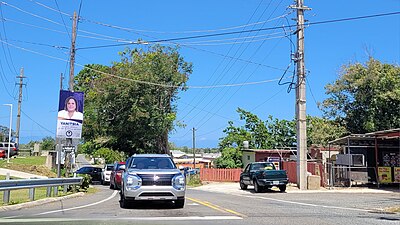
(21, 77)
(72, 54)
(301, 99)
(68, 161)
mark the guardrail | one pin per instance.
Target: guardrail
(31, 184)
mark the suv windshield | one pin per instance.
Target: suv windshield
(152, 163)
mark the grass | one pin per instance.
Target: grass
(29, 164)
(29, 160)
(35, 165)
(22, 195)
(395, 209)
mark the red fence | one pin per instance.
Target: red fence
(233, 175)
(211, 174)
(312, 167)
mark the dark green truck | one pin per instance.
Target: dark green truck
(263, 175)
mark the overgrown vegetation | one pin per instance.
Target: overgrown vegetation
(125, 111)
(194, 180)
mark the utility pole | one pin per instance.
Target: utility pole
(21, 77)
(301, 99)
(72, 56)
(61, 81)
(68, 161)
(194, 148)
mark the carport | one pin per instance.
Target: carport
(366, 158)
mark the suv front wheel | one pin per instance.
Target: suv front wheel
(179, 203)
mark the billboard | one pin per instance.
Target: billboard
(70, 114)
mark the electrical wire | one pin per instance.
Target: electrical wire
(44, 128)
(153, 31)
(248, 31)
(62, 18)
(144, 82)
(12, 67)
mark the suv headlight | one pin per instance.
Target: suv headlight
(133, 181)
(178, 182)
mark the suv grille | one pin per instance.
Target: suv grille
(156, 179)
(158, 194)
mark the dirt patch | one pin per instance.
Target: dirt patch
(38, 170)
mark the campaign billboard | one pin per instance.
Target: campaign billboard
(70, 114)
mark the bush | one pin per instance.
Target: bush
(194, 180)
(86, 180)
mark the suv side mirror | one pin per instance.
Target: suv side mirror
(122, 167)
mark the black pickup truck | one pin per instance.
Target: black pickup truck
(263, 175)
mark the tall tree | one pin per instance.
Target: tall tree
(366, 97)
(133, 109)
(270, 134)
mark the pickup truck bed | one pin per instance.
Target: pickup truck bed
(263, 175)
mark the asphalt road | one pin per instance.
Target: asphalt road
(206, 207)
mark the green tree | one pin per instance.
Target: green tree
(48, 143)
(321, 130)
(133, 109)
(366, 97)
(108, 155)
(270, 134)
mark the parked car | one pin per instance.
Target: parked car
(106, 173)
(3, 154)
(115, 176)
(263, 175)
(152, 177)
(13, 148)
(94, 172)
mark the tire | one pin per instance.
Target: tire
(112, 186)
(257, 187)
(179, 203)
(282, 188)
(242, 185)
(123, 203)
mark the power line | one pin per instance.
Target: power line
(153, 31)
(146, 82)
(62, 18)
(37, 123)
(245, 31)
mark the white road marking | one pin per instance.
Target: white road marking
(192, 203)
(304, 204)
(80, 207)
(189, 218)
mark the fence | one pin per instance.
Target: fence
(31, 184)
(312, 167)
(233, 175)
(210, 174)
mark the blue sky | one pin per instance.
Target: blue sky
(34, 37)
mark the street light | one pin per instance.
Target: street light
(9, 134)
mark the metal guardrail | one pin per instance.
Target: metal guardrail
(31, 184)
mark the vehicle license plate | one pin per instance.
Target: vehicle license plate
(275, 182)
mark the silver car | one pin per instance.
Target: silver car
(152, 177)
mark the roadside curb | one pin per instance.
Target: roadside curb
(39, 202)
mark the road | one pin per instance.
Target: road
(205, 207)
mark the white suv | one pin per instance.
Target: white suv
(152, 177)
(106, 173)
